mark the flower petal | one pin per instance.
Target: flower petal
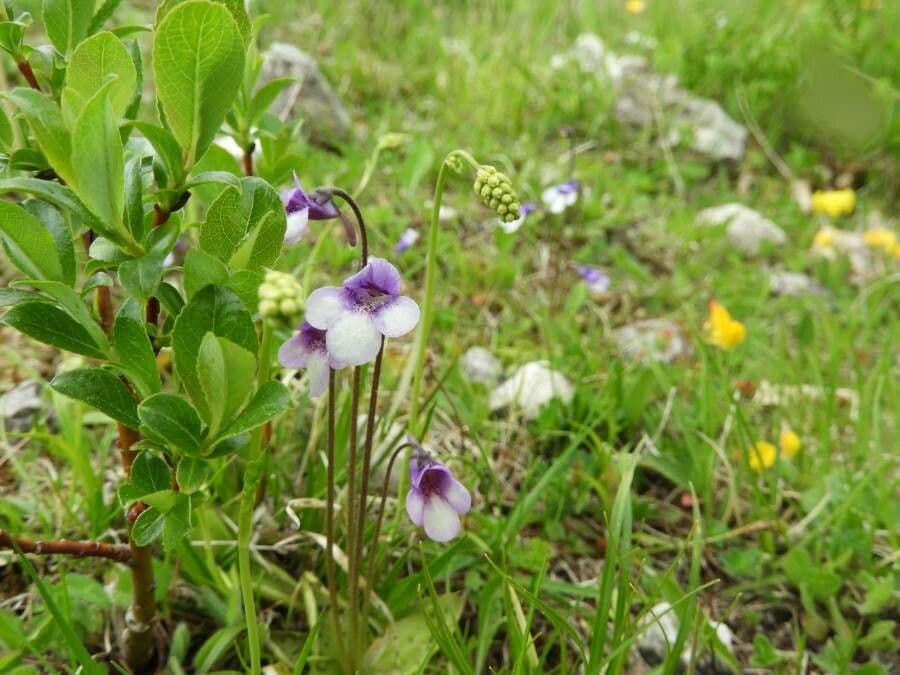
(294, 353)
(378, 274)
(318, 369)
(297, 223)
(397, 317)
(353, 339)
(513, 225)
(324, 306)
(415, 506)
(440, 519)
(458, 497)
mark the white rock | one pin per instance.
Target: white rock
(530, 388)
(21, 405)
(311, 98)
(651, 340)
(747, 230)
(660, 633)
(794, 283)
(479, 365)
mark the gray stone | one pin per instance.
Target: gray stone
(311, 98)
(746, 229)
(479, 365)
(21, 405)
(660, 631)
(646, 98)
(651, 340)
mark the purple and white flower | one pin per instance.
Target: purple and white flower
(358, 315)
(596, 280)
(557, 198)
(525, 210)
(407, 240)
(435, 498)
(301, 208)
(307, 350)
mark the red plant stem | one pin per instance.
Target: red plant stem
(28, 74)
(80, 549)
(248, 159)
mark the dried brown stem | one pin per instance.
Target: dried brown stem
(79, 549)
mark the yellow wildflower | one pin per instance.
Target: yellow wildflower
(720, 330)
(635, 6)
(824, 238)
(834, 202)
(881, 238)
(762, 456)
(789, 442)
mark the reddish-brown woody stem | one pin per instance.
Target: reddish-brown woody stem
(28, 74)
(80, 549)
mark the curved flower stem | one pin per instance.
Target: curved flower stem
(370, 572)
(252, 475)
(452, 161)
(360, 222)
(329, 521)
(364, 490)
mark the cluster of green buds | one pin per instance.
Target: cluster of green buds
(496, 192)
(280, 298)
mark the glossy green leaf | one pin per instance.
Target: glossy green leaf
(74, 306)
(227, 373)
(202, 269)
(100, 58)
(149, 474)
(67, 22)
(198, 60)
(56, 194)
(192, 474)
(46, 122)
(148, 526)
(100, 389)
(219, 311)
(51, 325)
(167, 149)
(52, 219)
(245, 228)
(134, 353)
(98, 160)
(172, 421)
(28, 243)
(178, 522)
(271, 400)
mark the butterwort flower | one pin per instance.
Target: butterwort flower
(356, 316)
(435, 498)
(525, 210)
(762, 456)
(596, 280)
(722, 331)
(307, 350)
(407, 240)
(789, 444)
(834, 202)
(557, 198)
(302, 207)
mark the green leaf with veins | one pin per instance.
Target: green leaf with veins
(198, 61)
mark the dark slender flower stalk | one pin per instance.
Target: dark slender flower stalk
(329, 518)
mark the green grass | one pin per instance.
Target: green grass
(637, 492)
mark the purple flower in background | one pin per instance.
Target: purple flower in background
(301, 208)
(406, 241)
(525, 210)
(358, 315)
(435, 498)
(557, 198)
(307, 350)
(596, 280)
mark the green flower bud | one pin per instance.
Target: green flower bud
(496, 192)
(280, 298)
